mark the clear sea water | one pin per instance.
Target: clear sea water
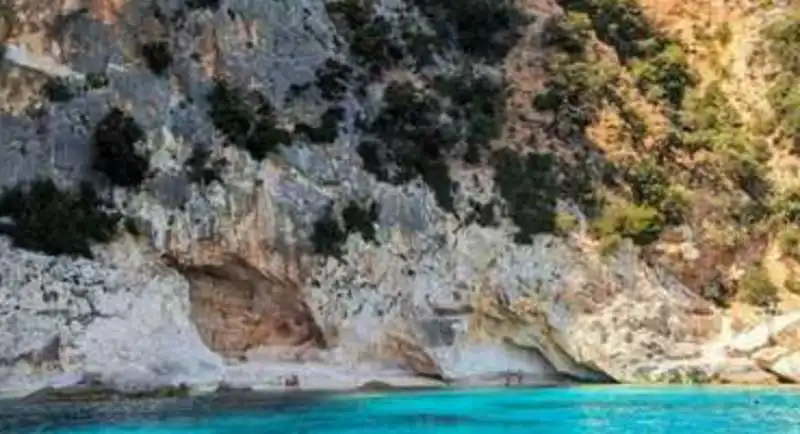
(503, 411)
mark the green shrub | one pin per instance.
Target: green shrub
(676, 206)
(353, 13)
(574, 91)
(756, 288)
(476, 101)
(328, 237)
(529, 185)
(96, 80)
(609, 245)
(642, 224)
(784, 96)
(484, 29)
(203, 4)
(650, 186)
(49, 220)
(649, 183)
(658, 64)
(361, 220)
(328, 129)
(664, 76)
(157, 56)
(115, 155)
(332, 79)
(569, 34)
(410, 141)
(200, 169)
(374, 45)
(483, 214)
(565, 223)
(371, 37)
(577, 83)
(58, 90)
(787, 205)
(710, 122)
(247, 120)
(783, 38)
(749, 172)
(619, 23)
(579, 185)
(783, 41)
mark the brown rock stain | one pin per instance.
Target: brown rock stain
(106, 11)
(236, 307)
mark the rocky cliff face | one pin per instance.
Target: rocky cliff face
(345, 191)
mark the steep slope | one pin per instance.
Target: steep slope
(208, 192)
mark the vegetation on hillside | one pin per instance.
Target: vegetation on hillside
(783, 42)
(702, 165)
(330, 233)
(657, 62)
(50, 220)
(685, 157)
(115, 155)
(247, 119)
(430, 119)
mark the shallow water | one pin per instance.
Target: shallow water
(506, 411)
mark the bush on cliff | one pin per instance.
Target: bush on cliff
(115, 154)
(577, 84)
(248, 120)
(783, 42)
(157, 56)
(756, 288)
(56, 222)
(484, 29)
(642, 224)
(789, 242)
(329, 236)
(530, 188)
(658, 64)
(410, 142)
(361, 219)
(58, 90)
(200, 169)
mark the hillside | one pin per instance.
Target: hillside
(402, 190)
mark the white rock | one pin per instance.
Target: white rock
(788, 367)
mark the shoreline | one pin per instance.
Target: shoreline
(17, 415)
(46, 408)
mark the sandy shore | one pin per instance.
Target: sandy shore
(257, 377)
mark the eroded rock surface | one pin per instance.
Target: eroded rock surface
(236, 308)
(221, 276)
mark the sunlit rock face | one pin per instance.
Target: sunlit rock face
(256, 245)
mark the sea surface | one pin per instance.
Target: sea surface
(562, 410)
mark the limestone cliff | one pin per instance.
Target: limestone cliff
(210, 192)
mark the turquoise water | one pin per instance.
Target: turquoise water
(506, 411)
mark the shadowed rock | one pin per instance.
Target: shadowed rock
(237, 307)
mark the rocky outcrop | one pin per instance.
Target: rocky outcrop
(236, 307)
(127, 325)
(219, 280)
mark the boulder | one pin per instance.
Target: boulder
(765, 333)
(766, 357)
(788, 367)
